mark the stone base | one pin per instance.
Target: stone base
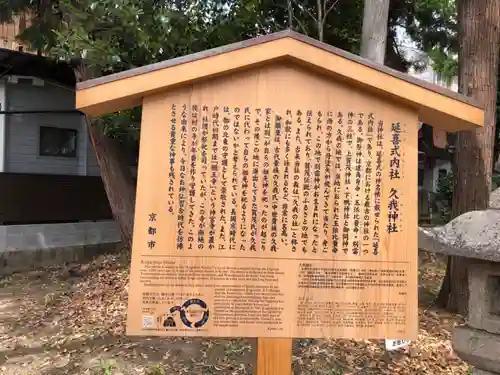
(23, 247)
(19, 260)
(484, 299)
(478, 348)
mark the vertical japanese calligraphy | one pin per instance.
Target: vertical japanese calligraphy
(152, 230)
(234, 180)
(357, 223)
(347, 198)
(393, 209)
(394, 164)
(337, 241)
(245, 178)
(379, 155)
(223, 178)
(253, 179)
(275, 194)
(264, 225)
(192, 176)
(306, 186)
(296, 184)
(358, 154)
(286, 178)
(367, 209)
(182, 179)
(171, 160)
(214, 171)
(393, 215)
(328, 181)
(277, 214)
(203, 181)
(317, 183)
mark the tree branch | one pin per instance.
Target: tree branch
(290, 14)
(301, 7)
(301, 25)
(330, 8)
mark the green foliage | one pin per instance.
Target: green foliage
(432, 24)
(155, 370)
(47, 17)
(116, 35)
(105, 367)
(444, 65)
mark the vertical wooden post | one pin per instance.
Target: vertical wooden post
(274, 357)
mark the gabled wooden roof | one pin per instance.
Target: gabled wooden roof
(436, 105)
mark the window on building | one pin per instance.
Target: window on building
(57, 142)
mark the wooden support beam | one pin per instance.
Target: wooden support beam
(274, 357)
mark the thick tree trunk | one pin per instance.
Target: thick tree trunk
(479, 36)
(374, 32)
(115, 172)
(118, 181)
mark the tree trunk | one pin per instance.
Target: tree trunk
(115, 172)
(374, 32)
(444, 292)
(320, 20)
(118, 181)
(479, 37)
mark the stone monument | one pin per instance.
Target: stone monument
(475, 235)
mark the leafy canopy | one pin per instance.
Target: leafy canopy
(116, 35)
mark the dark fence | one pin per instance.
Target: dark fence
(38, 198)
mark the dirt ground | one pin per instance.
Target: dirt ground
(71, 320)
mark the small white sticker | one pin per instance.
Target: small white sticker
(396, 344)
(148, 321)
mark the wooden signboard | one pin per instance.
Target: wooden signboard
(271, 215)
(277, 191)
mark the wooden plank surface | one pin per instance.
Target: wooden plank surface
(274, 357)
(275, 203)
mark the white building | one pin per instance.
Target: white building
(52, 194)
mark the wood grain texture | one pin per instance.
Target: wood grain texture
(435, 105)
(274, 357)
(312, 284)
(479, 37)
(374, 32)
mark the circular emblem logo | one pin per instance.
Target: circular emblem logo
(194, 313)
